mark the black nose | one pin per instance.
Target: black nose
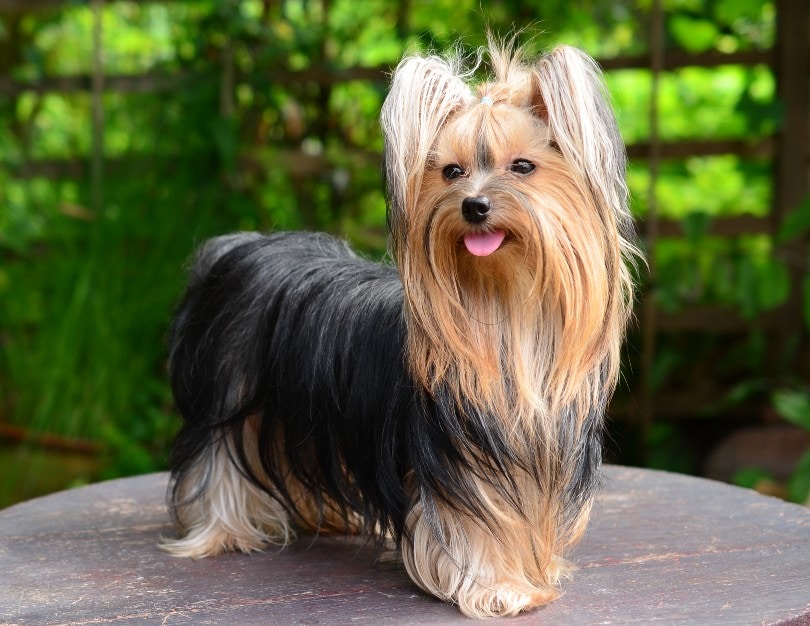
(475, 209)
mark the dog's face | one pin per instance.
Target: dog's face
(499, 205)
(479, 187)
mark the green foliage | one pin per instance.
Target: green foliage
(794, 406)
(751, 477)
(667, 450)
(724, 25)
(799, 483)
(694, 34)
(741, 274)
(796, 223)
(229, 141)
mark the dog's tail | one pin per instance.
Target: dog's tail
(197, 343)
(201, 328)
(214, 249)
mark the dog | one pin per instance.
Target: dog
(451, 404)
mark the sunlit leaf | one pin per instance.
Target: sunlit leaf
(729, 10)
(694, 34)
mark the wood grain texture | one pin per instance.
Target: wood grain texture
(661, 548)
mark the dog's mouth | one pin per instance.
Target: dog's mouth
(484, 243)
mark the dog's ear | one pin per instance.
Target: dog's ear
(570, 95)
(425, 93)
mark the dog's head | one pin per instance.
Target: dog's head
(509, 221)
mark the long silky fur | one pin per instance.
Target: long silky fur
(453, 405)
(298, 329)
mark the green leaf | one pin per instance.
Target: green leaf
(794, 406)
(750, 477)
(795, 223)
(727, 11)
(694, 34)
(799, 483)
(744, 391)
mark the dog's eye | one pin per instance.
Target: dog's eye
(453, 171)
(521, 166)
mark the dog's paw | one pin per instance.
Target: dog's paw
(202, 541)
(503, 600)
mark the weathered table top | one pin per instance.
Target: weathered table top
(661, 547)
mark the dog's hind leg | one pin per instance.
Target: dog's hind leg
(219, 509)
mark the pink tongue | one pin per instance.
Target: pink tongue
(483, 244)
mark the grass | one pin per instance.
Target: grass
(83, 321)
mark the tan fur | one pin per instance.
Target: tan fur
(232, 514)
(475, 571)
(220, 511)
(530, 334)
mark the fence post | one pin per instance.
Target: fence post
(792, 176)
(97, 98)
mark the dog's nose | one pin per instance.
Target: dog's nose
(475, 209)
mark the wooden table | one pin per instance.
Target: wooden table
(661, 547)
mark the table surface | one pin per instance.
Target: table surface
(661, 547)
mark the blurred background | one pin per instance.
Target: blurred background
(132, 130)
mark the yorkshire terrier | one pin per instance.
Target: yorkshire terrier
(452, 404)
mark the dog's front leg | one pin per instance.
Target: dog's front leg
(485, 572)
